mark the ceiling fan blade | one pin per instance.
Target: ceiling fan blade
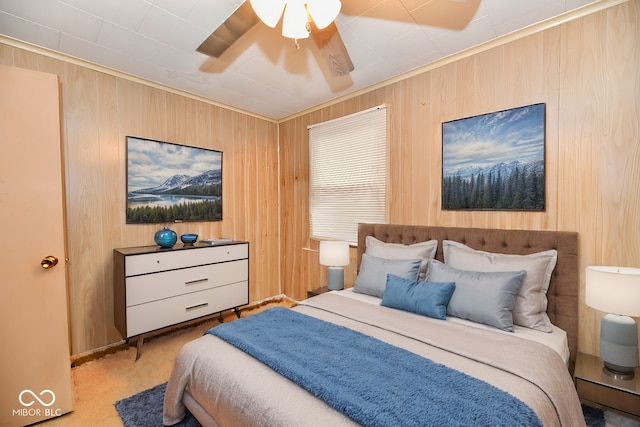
(236, 25)
(450, 14)
(332, 48)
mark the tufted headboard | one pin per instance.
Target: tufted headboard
(563, 288)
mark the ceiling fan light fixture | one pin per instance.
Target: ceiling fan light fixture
(294, 23)
(269, 11)
(323, 12)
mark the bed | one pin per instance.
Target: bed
(223, 385)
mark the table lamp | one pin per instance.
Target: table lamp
(334, 255)
(616, 290)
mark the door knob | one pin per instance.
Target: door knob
(48, 262)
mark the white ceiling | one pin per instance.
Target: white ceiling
(262, 73)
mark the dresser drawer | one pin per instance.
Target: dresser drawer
(171, 260)
(156, 286)
(154, 315)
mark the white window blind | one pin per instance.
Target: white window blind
(347, 174)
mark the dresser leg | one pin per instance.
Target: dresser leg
(235, 309)
(139, 347)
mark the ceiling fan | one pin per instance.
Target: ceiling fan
(317, 17)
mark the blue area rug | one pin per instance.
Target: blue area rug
(593, 417)
(145, 410)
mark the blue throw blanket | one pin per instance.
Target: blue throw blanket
(370, 381)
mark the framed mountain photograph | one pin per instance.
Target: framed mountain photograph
(168, 182)
(495, 161)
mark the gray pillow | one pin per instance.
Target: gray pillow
(530, 309)
(425, 250)
(481, 297)
(372, 277)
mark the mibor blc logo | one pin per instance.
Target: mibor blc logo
(42, 401)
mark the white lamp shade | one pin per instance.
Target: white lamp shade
(614, 289)
(294, 23)
(323, 12)
(333, 253)
(269, 11)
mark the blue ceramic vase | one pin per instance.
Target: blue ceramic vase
(166, 238)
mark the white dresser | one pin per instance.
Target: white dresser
(155, 288)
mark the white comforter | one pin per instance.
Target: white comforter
(235, 389)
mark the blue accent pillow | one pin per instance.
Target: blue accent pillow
(482, 297)
(425, 298)
(372, 277)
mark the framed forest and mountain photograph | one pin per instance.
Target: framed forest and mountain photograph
(168, 182)
(495, 161)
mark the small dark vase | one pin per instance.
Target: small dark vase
(166, 238)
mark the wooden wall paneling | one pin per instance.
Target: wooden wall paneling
(292, 240)
(399, 154)
(25, 59)
(442, 103)
(250, 206)
(223, 139)
(239, 178)
(154, 113)
(112, 200)
(286, 166)
(620, 145)
(184, 112)
(84, 213)
(422, 162)
(309, 267)
(293, 208)
(581, 106)
(6, 54)
(620, 154)
(48, 65)
(269, 192)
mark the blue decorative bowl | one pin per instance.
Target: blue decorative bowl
(189, 239)
(166, 238)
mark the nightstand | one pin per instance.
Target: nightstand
(597, 389)
(317, 291)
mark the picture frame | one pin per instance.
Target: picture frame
(169, 182)
(495, 161)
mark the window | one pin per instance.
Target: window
(347, 174)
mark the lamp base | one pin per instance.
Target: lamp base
(618, 346)
(616, 375)
(335, 278)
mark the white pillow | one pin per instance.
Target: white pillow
(530, 309)
(424, 250)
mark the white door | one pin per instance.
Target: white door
(35, 371)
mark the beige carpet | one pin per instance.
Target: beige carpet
(98, 384)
